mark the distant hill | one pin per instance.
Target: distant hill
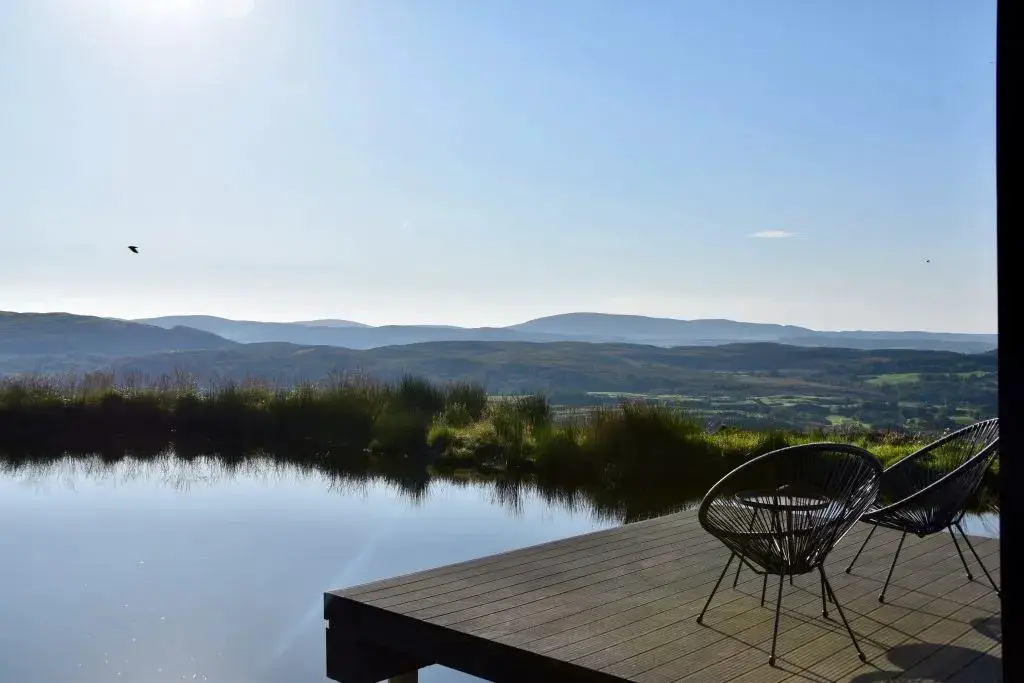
(576, 367)
(329, 322)
(745, 383)
(59, 341)
(661, 331)
(581, 327)
(672, 332)
(353, 336)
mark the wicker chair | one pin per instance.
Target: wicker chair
(928, 491)
(783, 512)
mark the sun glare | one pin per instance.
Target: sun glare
(184, 10)
(237, 9)
(170, 6)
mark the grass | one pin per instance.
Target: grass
(894, 378)
(350, 423)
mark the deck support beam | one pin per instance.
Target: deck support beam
(352, 660)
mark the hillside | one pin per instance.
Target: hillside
(672, 332)
(745, 384)
(656, 330)
(580, 327)
(351, 336)
(42, 334)
(329, 322)
(568, 366)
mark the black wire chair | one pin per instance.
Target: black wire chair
(929, 490)
(782, 513)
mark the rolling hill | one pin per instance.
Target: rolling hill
(60, 333)
(569, 366)
(61, 342)
(329, 322)
(786, 383)
(580, 327)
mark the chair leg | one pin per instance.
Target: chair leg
(839, 608)
(975, 553)
(715, 589)
(739, 566)
(862, 546)
(963, 560)
(899, 547)
(764, 588)
(824, 607)
(736, 579)
(778, 609)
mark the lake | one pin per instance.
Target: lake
(170, 571)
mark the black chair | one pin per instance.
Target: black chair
(929, 490)
(782, 513)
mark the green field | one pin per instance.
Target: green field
(802, 411)
(897, 378)
(894, 378)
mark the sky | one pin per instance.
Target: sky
(484, 162)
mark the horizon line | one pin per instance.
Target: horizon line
(357, 324)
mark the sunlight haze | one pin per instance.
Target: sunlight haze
(485, 162)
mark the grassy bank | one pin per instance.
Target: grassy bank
(354, 424)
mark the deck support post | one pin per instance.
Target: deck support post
(410, 677)
(350, 659)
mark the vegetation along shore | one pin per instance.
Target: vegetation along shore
(356, 425)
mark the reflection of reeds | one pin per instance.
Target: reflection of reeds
(629, 462)
(516, 493)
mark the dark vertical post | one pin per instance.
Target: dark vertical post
(1011, 355)
(411, 677)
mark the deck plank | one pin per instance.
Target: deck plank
(621, 605)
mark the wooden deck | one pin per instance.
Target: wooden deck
(621, 605)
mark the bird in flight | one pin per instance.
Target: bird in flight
(134, 249)
(927, 260)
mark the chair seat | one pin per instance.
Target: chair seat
(785, 510)
(920, 522)
(754, 536)
(928, 491)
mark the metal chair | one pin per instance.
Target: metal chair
(782, 513)
(929, 490)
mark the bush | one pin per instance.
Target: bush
(417, 395)
(471, 398)
(560, 456)
(644, 441)
(399, 433)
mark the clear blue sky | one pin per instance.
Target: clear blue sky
(487, 161)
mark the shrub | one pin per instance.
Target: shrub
(417, 395)
(471, 397)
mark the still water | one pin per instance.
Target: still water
(163, 571)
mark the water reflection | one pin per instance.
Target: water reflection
(166, 570)
(213, 568)
(605, 501)
(984, 524)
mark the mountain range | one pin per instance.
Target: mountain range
(739, 368)
(51, 342)
(579, 327)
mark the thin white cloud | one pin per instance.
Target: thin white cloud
(772, 234)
